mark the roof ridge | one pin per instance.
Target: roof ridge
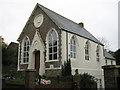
(108, 55)
(68, 25)
(58, 14)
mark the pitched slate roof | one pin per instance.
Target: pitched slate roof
(68, 25)
(108, 55)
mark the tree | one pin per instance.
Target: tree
(9, 59)
(9, 56)
(117, 57)
(5, 54)
(104, 42)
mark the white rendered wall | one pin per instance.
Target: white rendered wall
(109, 62)
(63, 47)
(91, 66)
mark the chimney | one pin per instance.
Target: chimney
(81, 24)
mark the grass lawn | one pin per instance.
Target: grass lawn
(16, 81)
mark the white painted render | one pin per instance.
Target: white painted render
(91, 66)
(109, 62)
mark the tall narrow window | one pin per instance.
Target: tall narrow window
(106, 62)
(73, 47)
(53, 45)
(87, 51)
(111, 62)
(26, 50)
(97, 54)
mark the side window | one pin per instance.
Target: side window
(111, 62)
(73, 47)
(26, 47)
(98, 53)
(87, 51)
(106, 62)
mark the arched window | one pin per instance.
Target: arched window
(97, 53)
(87, 51)
(53, 45)
(73, 47)
(26, 50)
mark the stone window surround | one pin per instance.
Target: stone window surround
(22, 51)
(47, 45)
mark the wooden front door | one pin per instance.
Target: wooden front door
(37, 60)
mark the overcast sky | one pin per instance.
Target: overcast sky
(100, 17)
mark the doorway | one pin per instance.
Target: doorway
(37, 60)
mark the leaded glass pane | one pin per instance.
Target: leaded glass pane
(50, 50)
(55, 42)
(54, 35)
(55, 56)
(50, 40)
(55, 49)
(50, 56)
(74, 55)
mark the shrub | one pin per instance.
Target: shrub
(87, 80)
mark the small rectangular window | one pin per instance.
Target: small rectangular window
(111, 62)
(106, 62)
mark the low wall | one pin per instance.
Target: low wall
(112, 77)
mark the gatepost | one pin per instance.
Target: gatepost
(30, 78)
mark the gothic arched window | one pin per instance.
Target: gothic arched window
(87, 51)
(73, 47)
(97, 53)
(26, 50)
(53, 45)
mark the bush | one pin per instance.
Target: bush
(87, 80)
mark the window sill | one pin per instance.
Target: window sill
(52, 68)
(24, 63)
(88, 60)
(51, 60)
(73, 58)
